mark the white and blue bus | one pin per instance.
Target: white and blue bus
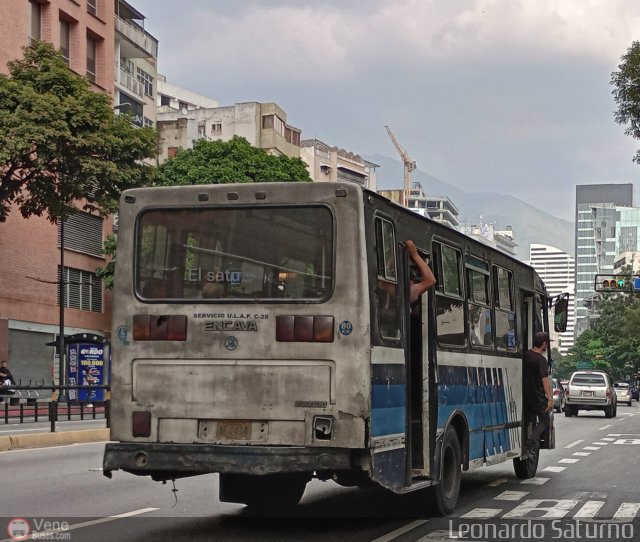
(263, 332)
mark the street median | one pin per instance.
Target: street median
(42, 440)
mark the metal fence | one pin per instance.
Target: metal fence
(34, 403)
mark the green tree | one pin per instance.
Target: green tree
(61, 143)
(234, 161)
(626, 93)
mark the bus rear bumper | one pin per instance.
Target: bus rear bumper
(166, 461)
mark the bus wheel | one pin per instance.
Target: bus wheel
(444, 496)
(269, 492)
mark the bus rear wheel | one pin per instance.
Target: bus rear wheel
(444, 496)
(270, 492)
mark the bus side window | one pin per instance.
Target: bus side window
(506, 333)
(450, 319)
(387, 280)
(478, 286)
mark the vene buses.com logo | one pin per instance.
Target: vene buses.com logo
(18, 529)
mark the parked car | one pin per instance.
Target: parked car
(559, 397)
(623, 391)
(591, 390)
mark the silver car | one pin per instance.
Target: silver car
(591, 390)
(623, 391)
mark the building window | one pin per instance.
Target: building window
(83, 290)
(146, 80)
(91, 59)
(202, 127)
(172, 151)
(92, 7)
(165, 100)
(292, 136)
(83, 233)
(65, 47)
(182, 106)
(35, 21)
(273, 122)
(216, 129)
(148, 123)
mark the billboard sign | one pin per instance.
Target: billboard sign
(86, 367)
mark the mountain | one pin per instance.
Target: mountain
(530, 224)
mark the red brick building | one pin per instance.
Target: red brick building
(85, 32)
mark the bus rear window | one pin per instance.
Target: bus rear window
(235, 253)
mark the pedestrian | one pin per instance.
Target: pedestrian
(427, 280)
(6, 378)
(88, 380)
(536, 391)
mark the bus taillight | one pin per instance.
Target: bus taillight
(159, 328)
(304, 329)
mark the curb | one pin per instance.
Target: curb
(42, 440)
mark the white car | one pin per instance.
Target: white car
(591, 390)
(623, 391)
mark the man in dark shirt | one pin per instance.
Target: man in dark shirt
(538, 399)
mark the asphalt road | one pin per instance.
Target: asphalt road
(590, 481)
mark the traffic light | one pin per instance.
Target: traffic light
(613, 283)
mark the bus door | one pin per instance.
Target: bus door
(419, 376)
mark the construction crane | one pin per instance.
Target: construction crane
(409, 166)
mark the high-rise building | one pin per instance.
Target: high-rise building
(557, 269)
(595, 236)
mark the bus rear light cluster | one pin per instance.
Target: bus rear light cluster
(141, 423)
(305, 329)
(159, 328)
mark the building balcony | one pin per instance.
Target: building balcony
(144, 43)
(128, 81)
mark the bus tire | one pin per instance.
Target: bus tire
(444, 496)
(525, 467)
(270, 492)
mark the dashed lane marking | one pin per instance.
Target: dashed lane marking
(497, 482)
(511, 495)
(482, 513)
(400, 531)
(536, 480)
(554, 469)
(575, 443)
(550, 508)
(608, 439)
(581, 454)
(601, 443)
(591, 448)
(605, 427)
(589, 509)
(569, 460)
(627, 510)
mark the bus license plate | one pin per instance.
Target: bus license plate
(234, 430)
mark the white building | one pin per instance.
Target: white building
(557, 269)
(487, 233)
(178, 98)
(334, 164)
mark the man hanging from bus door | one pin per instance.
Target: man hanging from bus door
(427, 280)
(536, 392)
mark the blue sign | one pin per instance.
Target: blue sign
(86, 367)
(636, 284)
(345, 327)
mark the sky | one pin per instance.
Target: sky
(506, 96)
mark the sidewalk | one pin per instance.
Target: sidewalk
(38, 434)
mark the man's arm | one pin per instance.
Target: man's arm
(547, 391)
(427, 277)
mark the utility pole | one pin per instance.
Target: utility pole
(409, 166)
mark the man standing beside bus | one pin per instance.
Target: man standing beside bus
(536, 392)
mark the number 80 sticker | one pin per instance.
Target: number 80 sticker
(345, 327)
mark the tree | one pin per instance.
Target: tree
(234, 161)
(61, 143)
(627, 93)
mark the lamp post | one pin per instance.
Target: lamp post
(61, 357)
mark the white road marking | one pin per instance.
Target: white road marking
(574, 443)
(398, 532)
(625, 414)
(589, 509)
(608, 439)
(482, 513)
(601, 443)
(536, 480)
(497, 482)
(511, 495)
(554, 469)
(581, 454)
(628, 441)
(591, 448)
(558, 508)
(23, 450)
(605, 427)
(627, 510)
(440, 535)
(50, 534)
(569, 460)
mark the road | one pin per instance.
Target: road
(591, 477)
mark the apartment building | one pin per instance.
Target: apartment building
(263, 125)
(85, 33)
(557, 270)
(328, 163)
